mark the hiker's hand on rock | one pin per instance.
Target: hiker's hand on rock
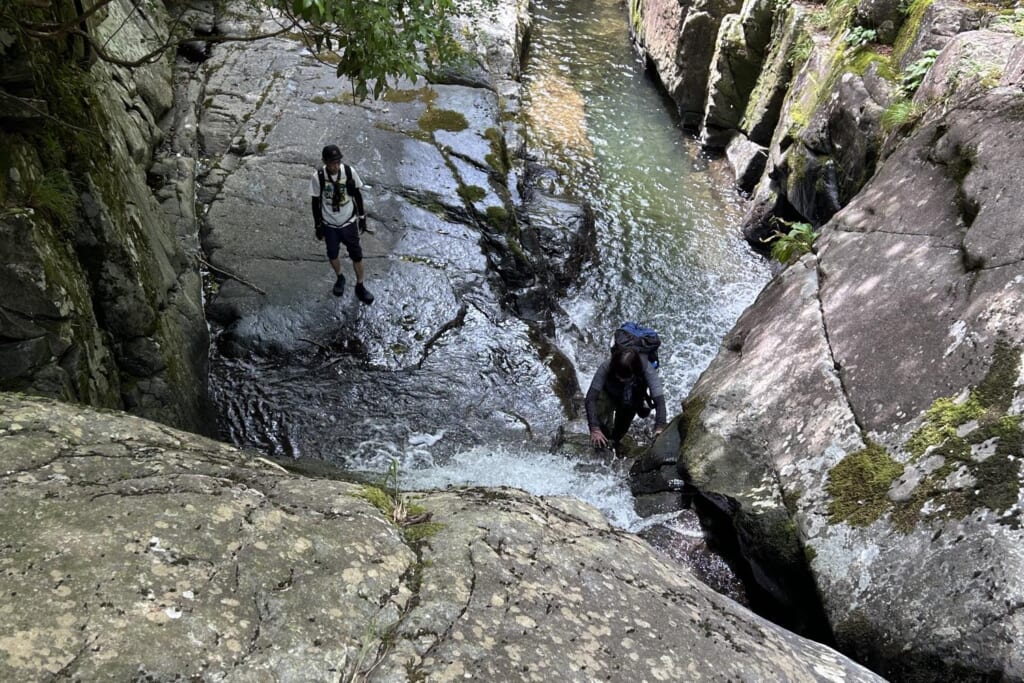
(658, 430)
(597, 438)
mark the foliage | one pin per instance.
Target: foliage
(377, 41)
(859, 36)
(1015, 21)
(800, 50)
(914, 74)
(389, 499)
(51, 195)
(788, 246)
(840, 14)
(369, 42)
(899, 113)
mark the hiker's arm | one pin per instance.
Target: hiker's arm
(657, 394)
(596, 385)
(357, 199)
(318, 218)
(659, 414)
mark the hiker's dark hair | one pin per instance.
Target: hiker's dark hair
(626, 362)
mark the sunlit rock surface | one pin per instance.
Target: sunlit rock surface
(135, 551)
(874, 392)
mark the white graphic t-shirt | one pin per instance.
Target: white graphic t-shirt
(346, 207)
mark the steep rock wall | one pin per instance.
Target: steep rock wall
(101, 304)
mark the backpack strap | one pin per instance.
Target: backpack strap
(323, 181)
(350, 185)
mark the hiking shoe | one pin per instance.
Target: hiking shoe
(339, 285)
(363, 294)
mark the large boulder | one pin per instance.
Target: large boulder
(930, 25)
(133, 551)
(968, 65)
(875, 392)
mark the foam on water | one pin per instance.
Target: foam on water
(602, 484)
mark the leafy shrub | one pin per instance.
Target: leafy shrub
(787, 247)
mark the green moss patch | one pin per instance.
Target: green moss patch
(863, 58)
(427, 95)
(947, 430)
(910, 28)
(941, 422)
(498, 216)
(859, 485)
(472, 193)
(497, 159)
(442, 119)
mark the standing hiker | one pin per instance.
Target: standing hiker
(339, 217)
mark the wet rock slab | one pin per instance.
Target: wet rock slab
(132, 550)
(436, 347)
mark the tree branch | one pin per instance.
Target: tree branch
(229, 274)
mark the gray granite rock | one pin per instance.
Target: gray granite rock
(874, 392)
(133, 550)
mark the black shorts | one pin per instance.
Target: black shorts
(348, 235)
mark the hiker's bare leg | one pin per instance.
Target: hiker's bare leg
(336, 264)
(358, 267)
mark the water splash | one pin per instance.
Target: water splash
(598, 482)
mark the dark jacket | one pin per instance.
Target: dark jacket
(630, 394)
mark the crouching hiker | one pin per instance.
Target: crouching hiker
(623, 387)
(339, 217)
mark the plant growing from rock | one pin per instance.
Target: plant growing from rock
(914, 74)
(901, 112)
(1015, 21)
(392, 501)
(788, 246)
(50, 195)
(859, 36)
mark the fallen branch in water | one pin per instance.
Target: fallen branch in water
(229, 274)
(314, 343)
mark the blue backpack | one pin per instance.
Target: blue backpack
(636, 337)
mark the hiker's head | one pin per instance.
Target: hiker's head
(332, 157)
(625, 365)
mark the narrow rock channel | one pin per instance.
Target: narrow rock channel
(456, 372)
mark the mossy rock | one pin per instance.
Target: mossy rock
(859, 485)
(442, 119)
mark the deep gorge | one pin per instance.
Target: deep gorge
(860, 421)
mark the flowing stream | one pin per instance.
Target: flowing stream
(669, 255)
